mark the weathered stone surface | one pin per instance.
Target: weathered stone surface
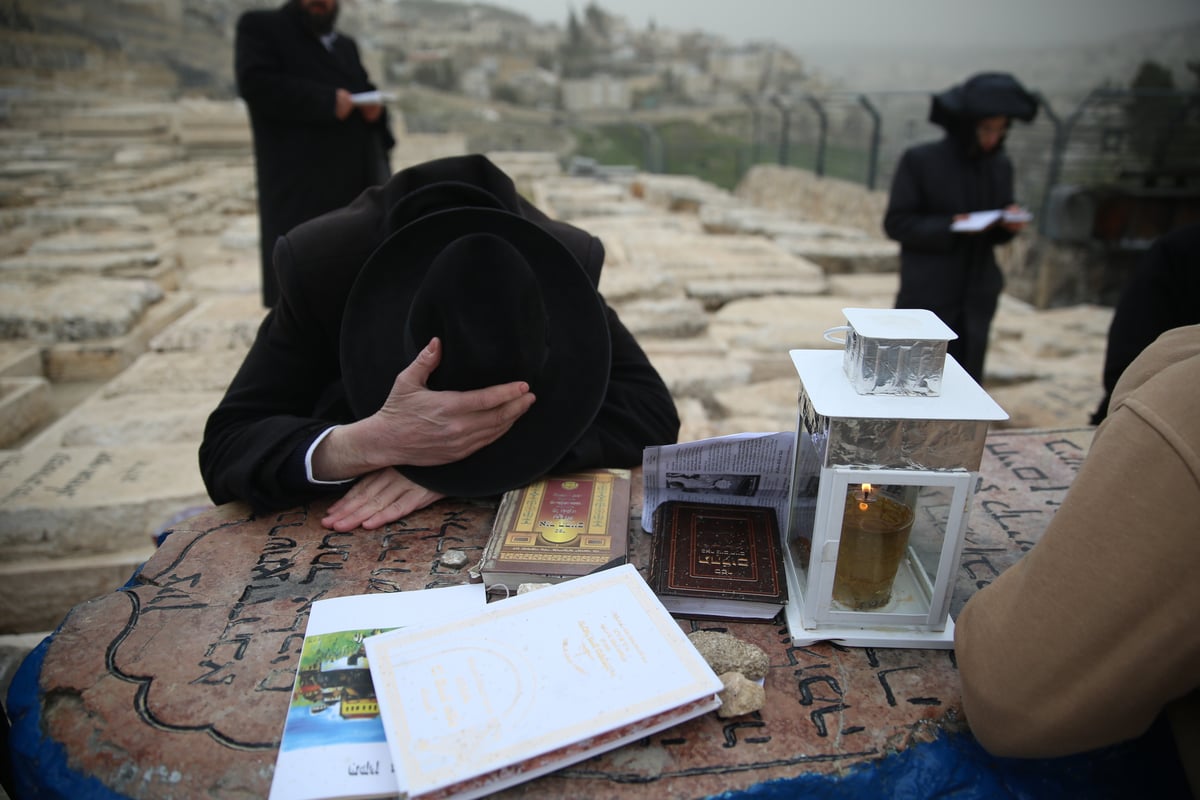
(740, 696)
(727, 653)
(845, 255)
(33, 593)
(160, 415)
(219, 323)
(74, 310)
(699, 376)
(669, 317)
(778, 324)
(78, 500)
(104, 358)
(20, 359)
(186, 372)
(24, 406)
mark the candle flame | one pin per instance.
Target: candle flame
(865, 497)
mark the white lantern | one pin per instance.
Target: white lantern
(889, 439)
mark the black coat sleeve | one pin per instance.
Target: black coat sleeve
(254, 441)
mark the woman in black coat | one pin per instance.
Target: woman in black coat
(954, 274)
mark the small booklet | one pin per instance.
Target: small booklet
(373, 98)
(534, 683)
(979, 220)
(718, 561)
(334, 744)
(557, 528)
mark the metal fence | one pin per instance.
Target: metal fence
(1144, 139)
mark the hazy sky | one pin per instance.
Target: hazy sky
(874, 22)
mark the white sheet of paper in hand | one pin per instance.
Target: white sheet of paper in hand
(976, 221)
(374, 98)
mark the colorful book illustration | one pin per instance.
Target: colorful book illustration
(334, 745)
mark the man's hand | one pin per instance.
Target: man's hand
(343, 104)
(378, 498)
(370, 111)
(420, 427)
(1013, 225)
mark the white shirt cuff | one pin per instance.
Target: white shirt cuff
(308, 472)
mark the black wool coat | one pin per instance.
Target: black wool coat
(289, 388)
(954, 275)
(307, 161)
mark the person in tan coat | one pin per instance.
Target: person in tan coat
(1092, 634)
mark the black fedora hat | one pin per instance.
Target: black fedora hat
(987, 94)
(509, 302)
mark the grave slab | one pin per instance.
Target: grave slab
(76, 501)
(180, 681)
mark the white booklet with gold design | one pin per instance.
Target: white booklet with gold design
(534, 683)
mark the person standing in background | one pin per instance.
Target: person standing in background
(951, 273)
(315, 148)
(1163, 293)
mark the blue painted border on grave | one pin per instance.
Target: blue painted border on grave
(955, 766)
(39, 764)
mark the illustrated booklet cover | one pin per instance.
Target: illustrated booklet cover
(558, 527)
(334, 745)
(534, 683)
(718, 561)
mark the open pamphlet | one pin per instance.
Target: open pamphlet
(533, 683)
(742, 469)
(979, 220)
(333, 742)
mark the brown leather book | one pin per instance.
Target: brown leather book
(718, 561)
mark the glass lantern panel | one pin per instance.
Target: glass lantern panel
(884, 547)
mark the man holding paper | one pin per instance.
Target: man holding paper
(951, 203)
(321, 133)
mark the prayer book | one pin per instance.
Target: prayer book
(533, 683)
(718, 561)
(556, 528)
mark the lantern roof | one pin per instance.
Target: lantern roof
(903, 324)
(832, 395)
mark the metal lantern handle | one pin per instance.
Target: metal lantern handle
(830, 337)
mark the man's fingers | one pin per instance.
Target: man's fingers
(423, 365)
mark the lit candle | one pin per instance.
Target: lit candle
(874, 539)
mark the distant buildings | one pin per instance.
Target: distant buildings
(597, 62)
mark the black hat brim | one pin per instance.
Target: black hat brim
(569, 391)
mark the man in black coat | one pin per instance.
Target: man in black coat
(439, 336)
(315, 148)
(955, 274)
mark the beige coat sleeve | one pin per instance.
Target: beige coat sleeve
(1084, 640)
